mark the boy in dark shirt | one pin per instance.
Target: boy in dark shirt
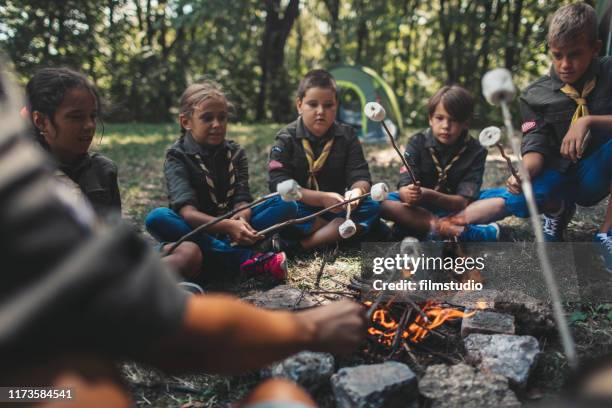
(567, 120)
(448, 165)
(326, 159)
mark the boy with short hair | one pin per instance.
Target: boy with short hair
(448, 165)
(567, 122)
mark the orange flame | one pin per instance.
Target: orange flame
(417, 330)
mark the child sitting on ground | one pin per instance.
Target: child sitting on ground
(560, 110)
(64, 108)
(207, 176)
(326, 159)
(448, 165)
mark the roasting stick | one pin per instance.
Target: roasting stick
(376, 113)
(378, 192)
(289, 190)
(498, 89)
(490, 136)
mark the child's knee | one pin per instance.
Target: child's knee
(288, 209)
(157, 217)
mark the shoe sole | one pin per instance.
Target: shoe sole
(283, 266)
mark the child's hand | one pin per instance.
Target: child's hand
(571, 147)
(337, 328)
(242, 233)
(331, 198)
(243, 215)
(513, 185)
(356, 192)
(410, 194)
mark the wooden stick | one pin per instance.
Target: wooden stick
(414, 180)
(217, 220)
(508, 161)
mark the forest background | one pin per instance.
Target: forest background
(143, 53)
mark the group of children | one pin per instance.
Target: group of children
(207, 175)
(567, 120)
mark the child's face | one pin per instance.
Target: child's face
(74, 124)
(318, 109)
(208, 122)
(445, 129)
(572, 60)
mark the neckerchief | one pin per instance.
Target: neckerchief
(442, 173)
(314, 166)
(222, 205)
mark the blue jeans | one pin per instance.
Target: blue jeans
(585, 184)
(167, 226)
(365, 215)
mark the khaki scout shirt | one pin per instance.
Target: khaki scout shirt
(464, 176)
(344, 166)
(547, 112)
(185, 178)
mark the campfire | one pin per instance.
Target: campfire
(385, 328)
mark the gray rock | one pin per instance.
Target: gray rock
(510, 356)
(281, 297)
(388, 385)
(464, 386)
(487, 323)
(309, 369)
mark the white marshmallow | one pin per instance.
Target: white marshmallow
(347, 229)
(379, 192)
(489, 136)
(289, 190)
(497, 86)
(374, 111)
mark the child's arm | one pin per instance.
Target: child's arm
(238, 230)
(571, 147)
(221, 334)
(242, 193)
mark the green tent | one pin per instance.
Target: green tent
(357, 86)
(604, 16)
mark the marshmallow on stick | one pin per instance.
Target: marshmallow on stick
(491, 136)
(347, 229)
(376, 113)
(289, 190)
(498, 89)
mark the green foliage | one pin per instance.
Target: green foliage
(143, 53)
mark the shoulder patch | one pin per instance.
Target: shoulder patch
(527, 126)
(275, 164)
(277, 149)
(403, 169)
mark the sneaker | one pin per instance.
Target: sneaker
(191, 287)
(480, 233)
(605, 248)
(554, 226)
(270, 263)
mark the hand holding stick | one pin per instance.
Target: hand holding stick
(289, 190)
(490, 136)
(376, 113)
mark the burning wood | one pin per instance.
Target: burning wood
(385, 327)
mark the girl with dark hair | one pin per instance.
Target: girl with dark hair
(64, 108)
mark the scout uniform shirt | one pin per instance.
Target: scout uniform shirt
(96, 176)
(192, 172)
(463, 177)
(344, 166)
(547, 112)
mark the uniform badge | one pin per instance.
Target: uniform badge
(527, 126)
(275, 164)
(403, 169)
(277, 149)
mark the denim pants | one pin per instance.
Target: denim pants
(585, 184)
(365, 215)
(167, 226)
